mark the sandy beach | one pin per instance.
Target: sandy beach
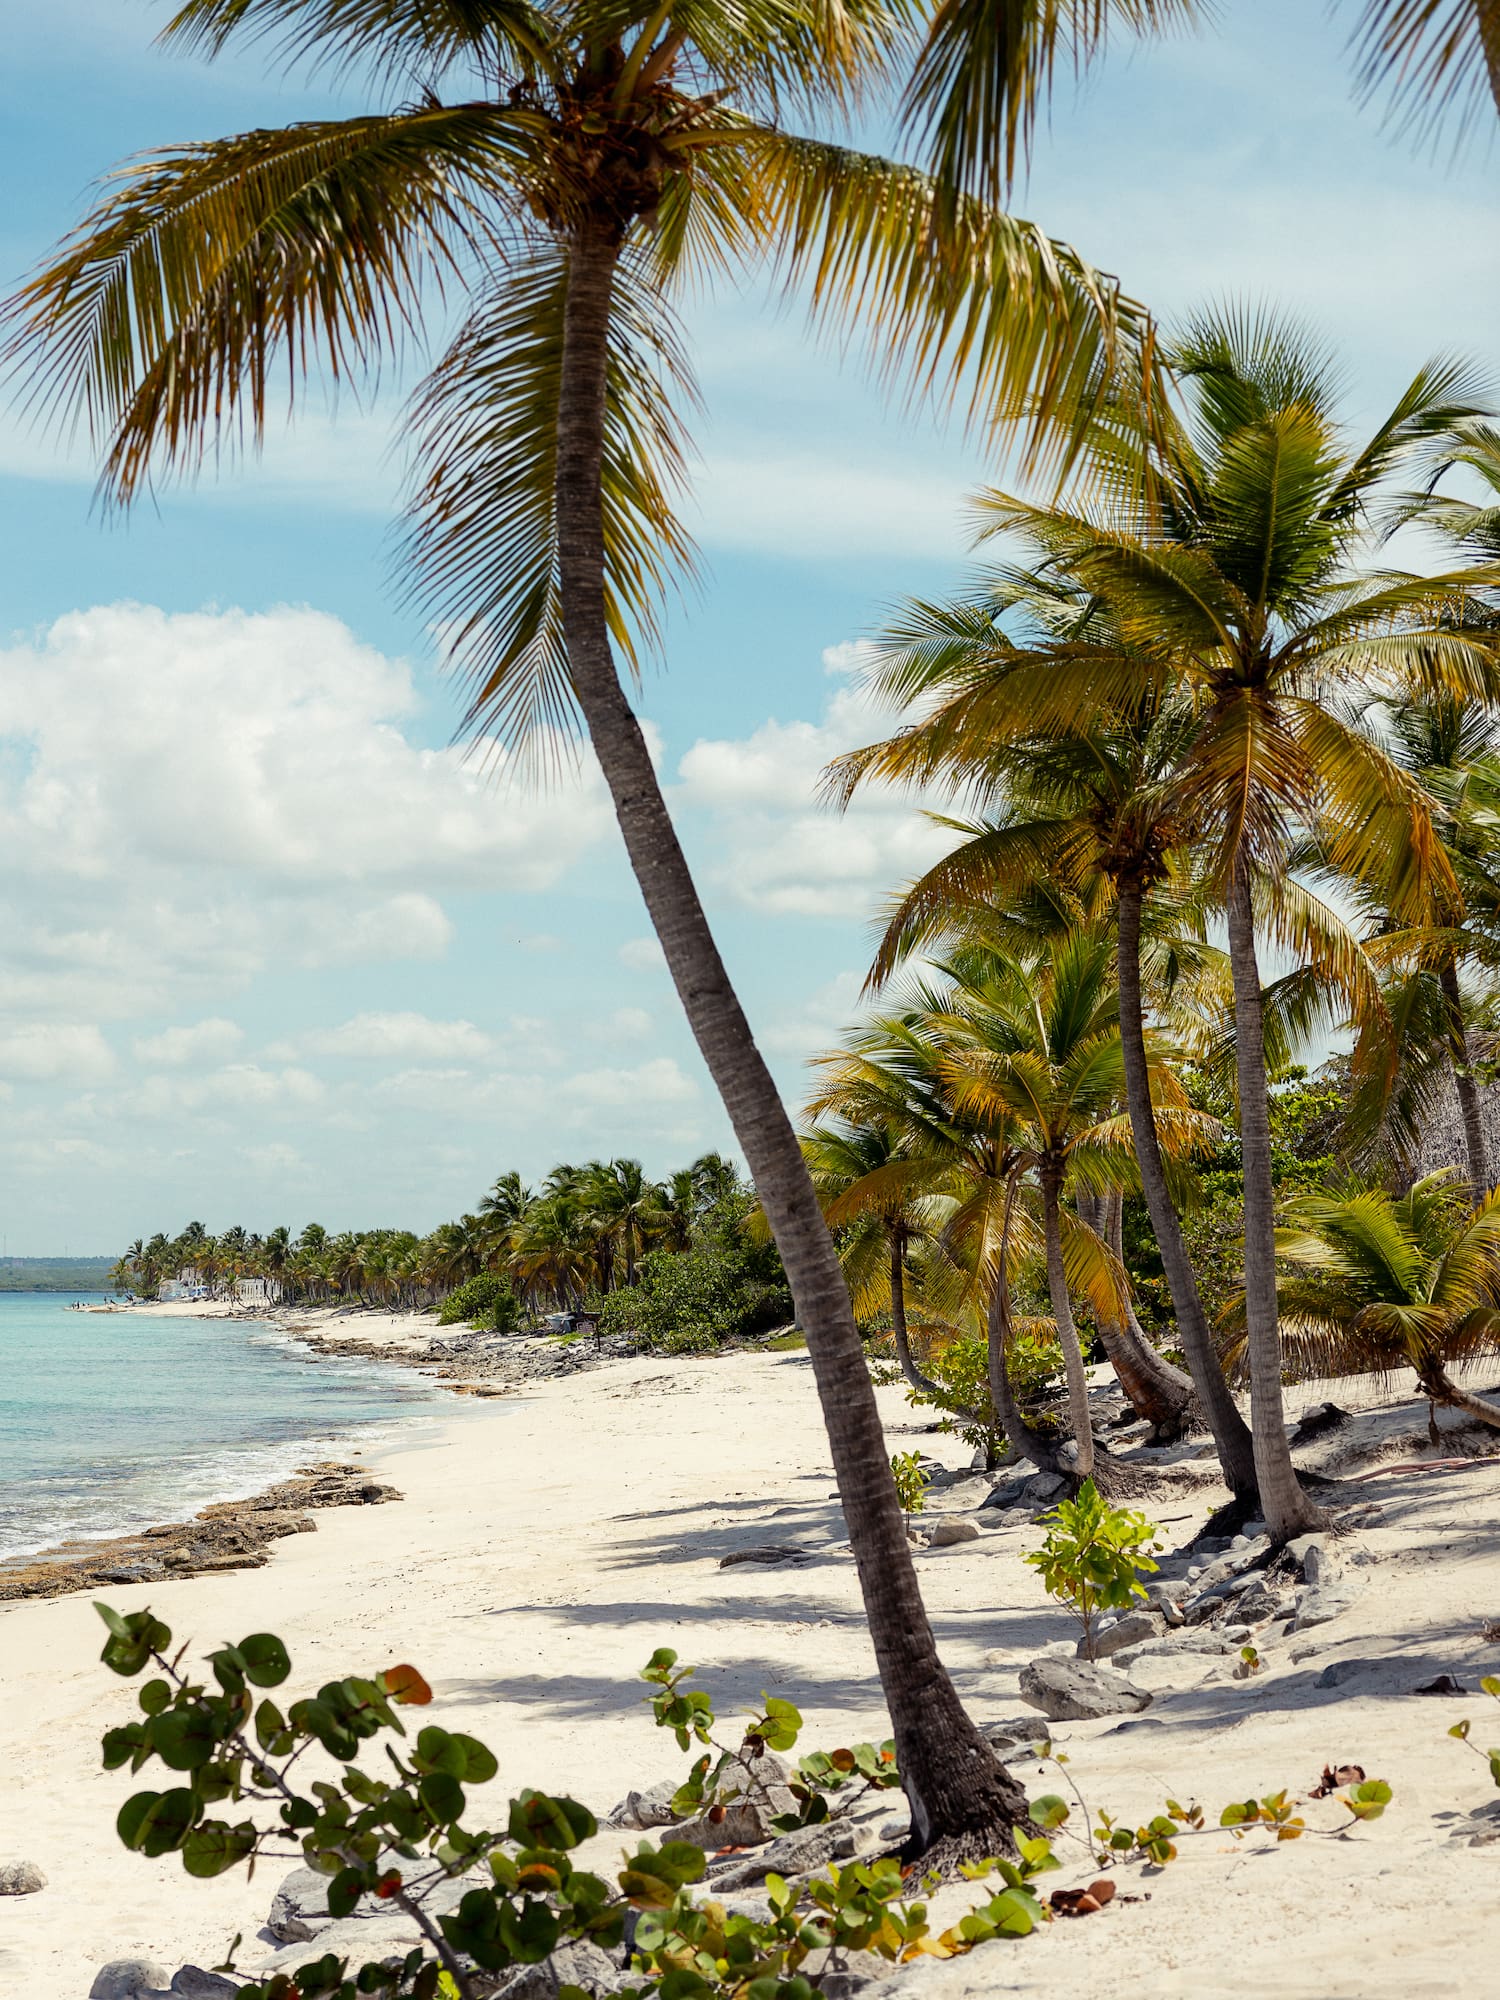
(549, 1540)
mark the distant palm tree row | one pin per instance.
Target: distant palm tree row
(579, 1235)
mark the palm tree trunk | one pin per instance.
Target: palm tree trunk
(1067, 1332)
(1285, 1507)
(1154, 1389)
(1463, 1082)
(1023, 1440)
(1231, 1434)
(963, 1801)
(1441, 1388)
(923, 1384)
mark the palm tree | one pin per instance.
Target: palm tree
(878, 1197)
(1041, 1041)
(1094, 806)
(1422, 1043)
(596, 163)
(1379, 1282)
(1226, 558)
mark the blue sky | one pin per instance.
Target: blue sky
(272, 950)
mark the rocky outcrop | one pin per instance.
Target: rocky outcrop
(235, 1534)
(1079, 1691)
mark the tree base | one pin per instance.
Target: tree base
(983, 1828)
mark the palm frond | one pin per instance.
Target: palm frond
(1440, 57)
(954, 299)
(159, 323)
(984, 73)
(481, 536)
(409, 40)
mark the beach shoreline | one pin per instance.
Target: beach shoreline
(547, 1542)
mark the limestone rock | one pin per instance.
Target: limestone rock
(1132, 1628)
(126, 1978)
(801, 1853)
(742, 1821)
(641, 1810)
(1320, 1607)
(1043, 1486)
(1078, 1691)
(193, 1983)
(21, 1878)
(946, 1534)
(362, 1940)
(299, 1909)
(1338, 1671)
(1163, 1597)
(576, 1964)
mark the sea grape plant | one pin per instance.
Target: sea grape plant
(1491, 1686)
(395, 1839)
(1094, 1556)
(911, 1478)
(842, 1776)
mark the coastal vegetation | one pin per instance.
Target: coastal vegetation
(683, 1262)
(1168, 719)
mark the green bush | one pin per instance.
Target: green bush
(962, 1372)
(389, 1841)
(1093, 1556)
(688, 1302)
(485, 1301)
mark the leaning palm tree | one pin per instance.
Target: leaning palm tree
(600, 156)
(1376, 1282)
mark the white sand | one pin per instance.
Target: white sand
(550, 1542)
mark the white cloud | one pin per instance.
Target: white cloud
(232, 1088)
(625, 1024)
(811, 505)
(647, 1086)
(819, 1021)
(412, 1038)
(787, 852)
(177, 1048)
(184, 798)
(642, 954)
(54, 1052)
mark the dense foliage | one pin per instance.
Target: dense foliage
(681, 1262)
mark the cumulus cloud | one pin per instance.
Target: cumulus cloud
(55, 1052)
(642, 954)
(409, 1038)
(182, 792)
(819, 1021)
(210, 1041)
(652, 1084)
(786, 852)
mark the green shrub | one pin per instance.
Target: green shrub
(962, 1372)
(389, 1841)
(689, 1301)
(1093, 1556)
(485, 1301)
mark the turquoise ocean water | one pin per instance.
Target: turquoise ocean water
(116, 1421)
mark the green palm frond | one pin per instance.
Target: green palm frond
(405, 39)
(1441, 58)
(985, 68)
(205, 269)
(953, 294)
(481, 538)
